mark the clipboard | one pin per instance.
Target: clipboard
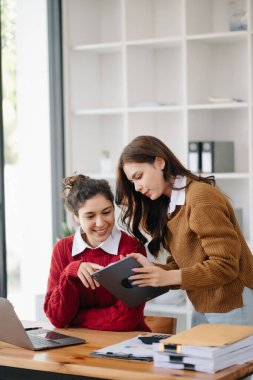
(131, 349)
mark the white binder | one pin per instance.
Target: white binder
(194, 156)
(207, 157)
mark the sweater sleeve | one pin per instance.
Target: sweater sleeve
(170, 264)
(62, 297)
(221, 246)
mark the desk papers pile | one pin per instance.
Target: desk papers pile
(207, 348)
(131, 349)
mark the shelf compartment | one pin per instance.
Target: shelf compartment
(147, 19)
(223, 125)
(213, 71)
(162, 125)
(154, 76)
(96, 80)
(90, 136)
(210, 16)
(93, 21)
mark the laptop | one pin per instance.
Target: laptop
(12, 331)
(115, 279)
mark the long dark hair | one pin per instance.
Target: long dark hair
(140, 214)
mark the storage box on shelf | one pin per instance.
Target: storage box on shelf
(181, 70)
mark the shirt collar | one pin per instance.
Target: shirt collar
(110, 245)
(177, 197)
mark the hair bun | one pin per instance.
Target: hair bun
(69, 182)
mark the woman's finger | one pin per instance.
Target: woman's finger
(97, 266)
(140, 276)
(93, 283)
(142, 283)
(83, 279)
(141, 259)
(90, 281)
(144, 270)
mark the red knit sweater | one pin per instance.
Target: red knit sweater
(69, 303)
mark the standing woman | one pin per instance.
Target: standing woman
(194, 221)
(73, 298)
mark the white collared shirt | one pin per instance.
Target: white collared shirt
(110, 245)
(177, 197)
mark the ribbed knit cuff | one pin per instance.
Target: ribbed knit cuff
(188, 279)
(72, 268)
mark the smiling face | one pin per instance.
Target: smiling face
(148, 178)
(97, 219)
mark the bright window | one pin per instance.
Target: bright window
(27, 151)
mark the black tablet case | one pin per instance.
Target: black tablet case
(114, 278)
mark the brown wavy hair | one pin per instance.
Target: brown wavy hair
(139, 214)
(78, 188)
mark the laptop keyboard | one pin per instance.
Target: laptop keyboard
(40, 342)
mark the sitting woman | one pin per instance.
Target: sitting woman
(73, 298)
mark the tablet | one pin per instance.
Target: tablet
(115, 279)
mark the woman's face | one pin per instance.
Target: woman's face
(97, 219)
(148, 178)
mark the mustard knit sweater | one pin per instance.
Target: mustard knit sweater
(206, 242)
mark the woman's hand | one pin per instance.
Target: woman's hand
(85, 271)
(152, 275)
(141, 259)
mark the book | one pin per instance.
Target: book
(180, 361)
(206, 347)
(206, 352)
(195, 359)
(207, 334)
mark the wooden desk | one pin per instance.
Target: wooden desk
(74, 363)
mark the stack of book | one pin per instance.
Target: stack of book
(207, 348)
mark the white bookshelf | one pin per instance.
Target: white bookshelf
(136, 67)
